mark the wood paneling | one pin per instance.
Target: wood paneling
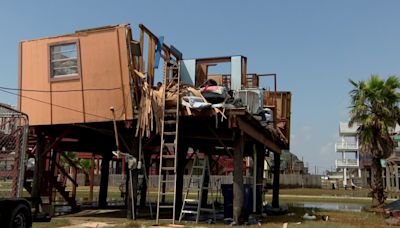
(34, 75)
(71, 109)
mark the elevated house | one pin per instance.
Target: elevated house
(75, 86)
(356, 168)
(67, 85)
(391, 177)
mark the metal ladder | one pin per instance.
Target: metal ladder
(203, 167)
(169, 138)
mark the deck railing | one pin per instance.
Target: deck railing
(346, 163)
(345, 146)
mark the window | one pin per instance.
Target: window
(64, 60)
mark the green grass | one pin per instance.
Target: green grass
(325, 192)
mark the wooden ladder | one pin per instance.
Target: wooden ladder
(169, 138)
(197, 184)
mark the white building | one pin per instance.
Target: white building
(350, 157)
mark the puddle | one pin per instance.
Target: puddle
(330, 206)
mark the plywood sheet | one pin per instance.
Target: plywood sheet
(34, 73)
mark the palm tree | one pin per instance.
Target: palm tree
(374, 107)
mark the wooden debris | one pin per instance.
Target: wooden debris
(138, 73)
(151, 105)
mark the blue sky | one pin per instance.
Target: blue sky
(313, 46)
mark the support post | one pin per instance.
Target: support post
(275, 187)
(204, 196)
(135, 172)
(180, 168)
(132, 183)
(105, 164)
(91, 178)
(254, 179)
(259, 176)
(143, 191)
(39, 168)
(238, 188)
(387, 177)
(396, 174)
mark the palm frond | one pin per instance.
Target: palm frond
(374, 105)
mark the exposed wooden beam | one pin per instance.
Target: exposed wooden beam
(165, 47)
(259, 136)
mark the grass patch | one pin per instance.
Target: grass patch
(325, 192)
(299, 199)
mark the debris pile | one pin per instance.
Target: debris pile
(208, 96)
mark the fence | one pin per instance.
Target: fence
(299, 181)
(286, 180)
(13, 139)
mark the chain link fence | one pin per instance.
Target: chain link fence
(13, 139)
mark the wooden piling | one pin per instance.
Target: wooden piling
(238, 188)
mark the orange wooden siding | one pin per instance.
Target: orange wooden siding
(104, 65)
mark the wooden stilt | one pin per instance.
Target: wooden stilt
(135, 181)
(143, 191)
(91, 178)
(260, 176)
(238, 188)
(181, 163)
(39, 168)
(105, 163)
(275, 187)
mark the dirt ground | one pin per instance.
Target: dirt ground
(116, 218)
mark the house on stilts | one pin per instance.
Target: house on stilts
(95, 91)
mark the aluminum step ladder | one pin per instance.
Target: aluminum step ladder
(196, 186)
(169, 138)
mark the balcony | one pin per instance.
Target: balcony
(346, 147)
(346, 163)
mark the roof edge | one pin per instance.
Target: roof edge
(89, 30)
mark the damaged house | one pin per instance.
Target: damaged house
(94, 91)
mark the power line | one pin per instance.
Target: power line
(59, 91)
(59, 106)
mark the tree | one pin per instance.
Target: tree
(374, 107)
(84, 165)
(79, 163)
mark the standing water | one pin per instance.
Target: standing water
(330, 206)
